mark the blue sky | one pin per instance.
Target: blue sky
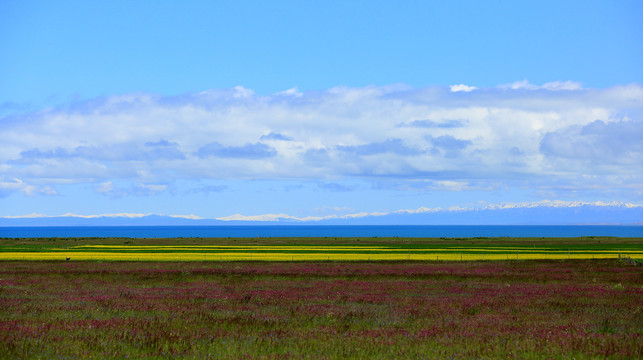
(313, 109)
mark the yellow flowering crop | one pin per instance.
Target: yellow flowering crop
(304, 253)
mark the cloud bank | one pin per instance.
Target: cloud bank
(553, 137)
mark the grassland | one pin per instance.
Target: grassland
(403, 309)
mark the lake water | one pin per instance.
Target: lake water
(322, 231)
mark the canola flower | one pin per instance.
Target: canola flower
(306, 253)
(330, 249)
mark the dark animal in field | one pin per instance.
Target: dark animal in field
(67, 258)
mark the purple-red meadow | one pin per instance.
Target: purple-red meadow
(520, 309)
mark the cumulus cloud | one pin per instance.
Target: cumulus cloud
(619, 142)
(557, 130)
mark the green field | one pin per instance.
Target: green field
(320, 249)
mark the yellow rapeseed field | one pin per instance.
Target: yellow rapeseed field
(304, 253)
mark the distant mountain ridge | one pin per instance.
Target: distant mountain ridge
(544, 214)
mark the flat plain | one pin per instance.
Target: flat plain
(402, 309)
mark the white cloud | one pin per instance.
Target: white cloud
(523, 84)
(153, 188)
(551, 86)
(562, 85)
(495, 135)
(291, 92)
(242, 92)
(104, 188)
(48, 190)
(462, 87)
(18, 185)
(561, 204)
(108, 188)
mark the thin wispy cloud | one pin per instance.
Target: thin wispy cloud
(432, 124)
(108, 188)
(246, 151)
